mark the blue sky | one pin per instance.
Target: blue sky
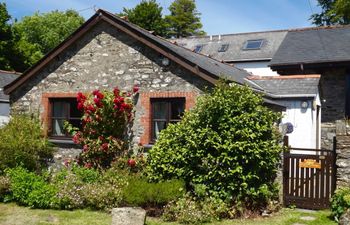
(218, 16)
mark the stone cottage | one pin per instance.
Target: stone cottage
(107, 52)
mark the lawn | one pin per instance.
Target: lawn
(11, 214)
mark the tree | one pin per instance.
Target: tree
(6, 38)
(333, 12)
(225, 146)
(40, 33)
(184, 19)
(148, 15)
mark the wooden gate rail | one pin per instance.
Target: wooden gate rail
(309, 178)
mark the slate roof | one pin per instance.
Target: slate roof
(6, 77)
(211, 65)
(235, 51)
(314, 45)
(288, 86)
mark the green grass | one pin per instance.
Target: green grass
(284, 217)
(11, 214)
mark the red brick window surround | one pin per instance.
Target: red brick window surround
(146, 99)
(58, 107)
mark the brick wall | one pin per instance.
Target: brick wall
(145, 99)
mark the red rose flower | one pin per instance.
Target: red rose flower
(80, 106)
(76, 138)
(85, 148)
(88, 165)
(116, 92)
(135, 89)
(131, 162)
(104, 146)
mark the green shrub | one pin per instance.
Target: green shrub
(102, 196)
(4, 187)
(29, 189)
(190, 210)
(139, 192)
(340, 202)
(70, 194)
(227, 143)
(22, 144)
(80, 187)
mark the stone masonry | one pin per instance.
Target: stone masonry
(104, 58)
(333, 93)
(343, 160)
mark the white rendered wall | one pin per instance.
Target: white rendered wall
(4, 113)
(304, 123)
(256, 68)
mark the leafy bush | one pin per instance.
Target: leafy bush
(340, 202)
(70, 194)
(227, 143)
(190, 210)
(139, 192)
(4, 187)
(22, 143)
(29, 189)
(105, 120)
(80, 187)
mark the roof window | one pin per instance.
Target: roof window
(198, 48)
(223, 48)
(253, 44)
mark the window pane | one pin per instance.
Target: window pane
(59, 109)
(57, 127)
(253, 44)
(75, 122)
(177, 109)
(160, 110)
(74, 112)
(157, 127)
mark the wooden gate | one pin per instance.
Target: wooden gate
(308, 177)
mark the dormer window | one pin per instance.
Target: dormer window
(253, 44)
(198, 48)
(223, 48)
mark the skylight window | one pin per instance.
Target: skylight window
(198, 48)
(223, 48)
(253, 44)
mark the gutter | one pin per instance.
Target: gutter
(290, 96)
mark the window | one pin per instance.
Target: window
(253, 44)
(64, 109)
(198, 48)
(165, 111)
(223, 48)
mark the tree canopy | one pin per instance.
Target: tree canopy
(333, 12)
(148, 15)
(184, 19)
(6, 39)
(40, 33)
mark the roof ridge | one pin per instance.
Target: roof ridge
(170, 42)
(269, 31)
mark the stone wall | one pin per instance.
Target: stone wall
(333, 93)
(103, 59)
(343, 161)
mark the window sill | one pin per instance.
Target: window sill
(61, 141)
